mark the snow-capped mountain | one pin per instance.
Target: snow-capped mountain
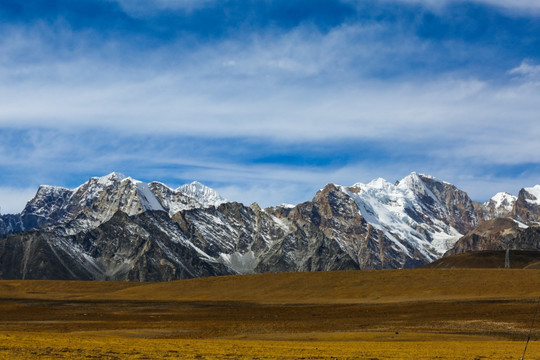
(419, 208)
(142, 247)
(498, 234)
(203, 194)
(117, 228)
(500, 205)
(508, 221)
(174, 201)
(502, 201)
(527, 205)
(97, 200)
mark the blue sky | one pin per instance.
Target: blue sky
(268, 100)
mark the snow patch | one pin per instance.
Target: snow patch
(241, 263)
(147, 197)
(520, 224)
(287, 206)
(535, 192)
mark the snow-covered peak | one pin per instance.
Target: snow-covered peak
(161, 185)
(415, 184)
(503, 200)
(379, 189)
(111, 178)
(95, 186)
(408, 211)
(416, 181)
(203, 194)
(47, 200)
(411, 181)
(114, 192)
(49, 189)
(431, 177)
(379, 183)
(535, 192)
(146, 197)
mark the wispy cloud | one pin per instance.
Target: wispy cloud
(516, 5)
(266, 101)
(151, 7)
(528, 71)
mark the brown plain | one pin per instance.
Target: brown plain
(394, 314)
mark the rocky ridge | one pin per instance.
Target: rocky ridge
(118, 228)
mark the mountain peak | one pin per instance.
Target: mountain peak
(202, 193)
(535, 192)
(379, 183)
(503, 200)
(415, 178)
(110, 178)
(413, 181)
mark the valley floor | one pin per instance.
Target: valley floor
(407, 314)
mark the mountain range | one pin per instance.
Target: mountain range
(117, 228)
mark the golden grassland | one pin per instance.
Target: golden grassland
(397, 314)
(363, 346)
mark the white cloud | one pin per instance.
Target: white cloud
(13, 200)
(141, 8)
(515, 5)
(296, 87)
(468, 111)
(520, 5)
(527, 70)
(149, 7)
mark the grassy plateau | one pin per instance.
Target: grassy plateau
(394, 314)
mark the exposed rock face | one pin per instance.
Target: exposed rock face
(232, 234)
(519, 259)
(417, 210)
(527, 206)
(118, 228)
(144, 247)
(171, 200)
(457, 208)
(490, 235)
(500, 205)
(91, 204)
(504, 221)
(498, 234)
(12, 223)
(337, 213)
(99, 199)
(329, 233)
(529, 239)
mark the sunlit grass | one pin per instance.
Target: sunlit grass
(415, 314)
(415, 346)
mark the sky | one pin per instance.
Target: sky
(269, 100)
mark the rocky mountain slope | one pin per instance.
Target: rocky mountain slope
(527, 206)
(143, 247)
(118, 228)
(509, 222)
(500, 205)
(518, 259)
(499, 234)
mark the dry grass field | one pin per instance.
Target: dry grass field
(398, 314)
